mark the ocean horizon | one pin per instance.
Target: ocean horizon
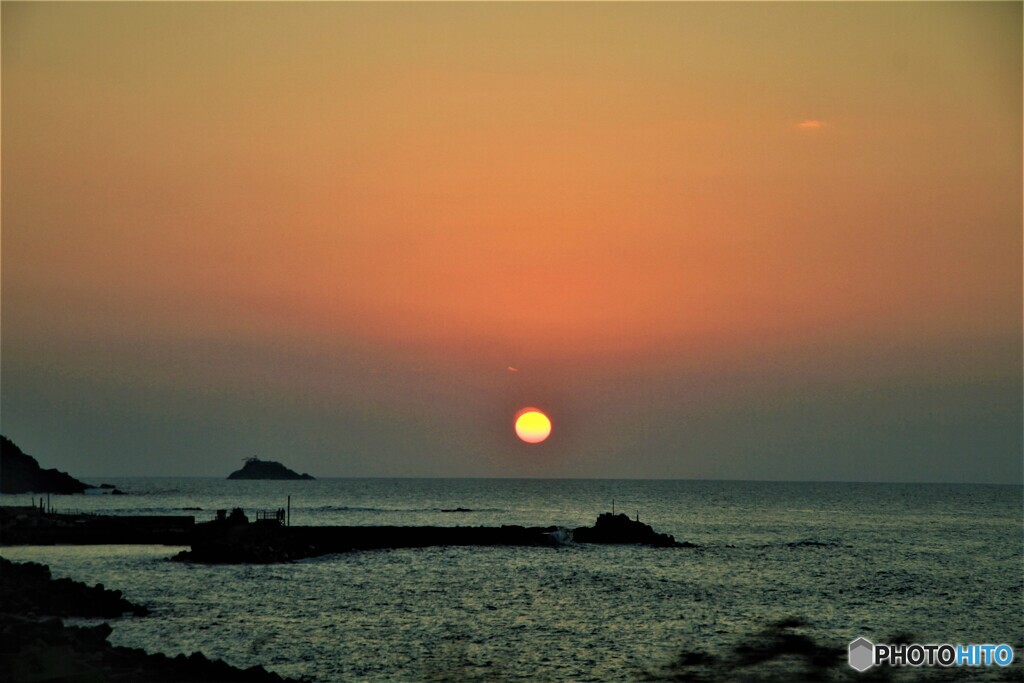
(938, 561)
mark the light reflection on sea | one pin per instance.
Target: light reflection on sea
(940, 562)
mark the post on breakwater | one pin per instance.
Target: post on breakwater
(288, 518)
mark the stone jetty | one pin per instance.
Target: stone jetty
(233, 538)
(35, 526)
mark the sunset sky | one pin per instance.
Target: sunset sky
(710, 240)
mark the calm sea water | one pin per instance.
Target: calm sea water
(941, 563)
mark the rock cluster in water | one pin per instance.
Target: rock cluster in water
(620, 529)
(255, 468)
(21, 473)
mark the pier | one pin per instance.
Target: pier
(36, 526)
(232, 538)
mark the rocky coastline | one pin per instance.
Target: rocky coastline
(21, 473)
(36, 645)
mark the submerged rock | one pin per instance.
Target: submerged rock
(255, 468)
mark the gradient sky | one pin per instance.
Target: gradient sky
(728, 241)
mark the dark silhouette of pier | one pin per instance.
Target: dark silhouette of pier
(233, 538)
(38, 526)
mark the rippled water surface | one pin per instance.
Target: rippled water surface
(942, 563)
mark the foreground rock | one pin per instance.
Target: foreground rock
(32, 651)
(21, 473)
(28, 589)
(35, 647)
(255, 468)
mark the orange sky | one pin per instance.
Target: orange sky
(377, 208)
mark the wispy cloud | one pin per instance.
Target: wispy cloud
(512, 369)
(811, 124)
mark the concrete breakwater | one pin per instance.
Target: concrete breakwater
(225, 541)
(35, 526)
(234, 539)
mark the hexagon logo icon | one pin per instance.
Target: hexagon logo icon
(862, 654)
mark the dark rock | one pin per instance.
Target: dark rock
(21, 473)
(34, 650)
(255, 468)
(28, 588)
(621, 529)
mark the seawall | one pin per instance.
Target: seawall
(235, 539)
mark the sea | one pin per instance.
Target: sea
(824, 562)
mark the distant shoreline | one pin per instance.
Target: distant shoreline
(120, 477)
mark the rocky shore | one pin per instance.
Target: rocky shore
(28, 589)
(21, 473)
(36, 646)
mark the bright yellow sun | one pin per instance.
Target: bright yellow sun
(532, 426)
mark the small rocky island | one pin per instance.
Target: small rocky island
(21, 473)
(255, 468)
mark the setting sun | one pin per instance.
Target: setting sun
(306, 259)
(532, 426)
